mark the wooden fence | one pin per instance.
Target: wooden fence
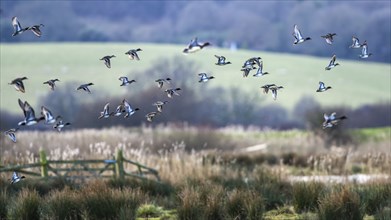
(111, 168)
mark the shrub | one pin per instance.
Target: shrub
(244, 204)
(341, 204)
(375, 196)
(64, 204)
(274, 191)
(306, 195)
(25, 206)
(214, 202)
(101, 202)
(190, 204)
(149, 211)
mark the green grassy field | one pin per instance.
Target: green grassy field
(354, 82)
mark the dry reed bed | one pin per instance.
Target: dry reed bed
(178, 150)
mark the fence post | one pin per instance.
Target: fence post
(44, 163)
(119, 166)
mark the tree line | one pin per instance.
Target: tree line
(265, 25)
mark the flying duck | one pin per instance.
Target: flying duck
(85, 87)
(267, 87)
(251, 62)
(159, 105)
(194, 46)
(128, 109)
(36, 29)
(49, 119)
(151, 115)
(298, 37)
(322, 87)
(11, 134)
(274, 91)
(29, 114)
(119, 110)
(171, 92)
(17, 28)
(162, 81)
(133, 54)
(364, 52)
(51, 83)
(221, 61)
(60, 124)
(16, 178)
(260, 70)
(18, 84)
(125, 81)
(332, 63)
(329, 38)
(246, 71)
(331, 120)
(355, 43)
(204, 77)
(105, 113)
(106, 59)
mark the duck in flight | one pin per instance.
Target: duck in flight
(11, 134)
(60, 124)
(48, 116)
(127, 108)
(85, 87)
(194, 46)
(364, 52)
(221, 61)
(204, 77)
(105, 113)
(260, 70)
(267, 87)
(151, 115)
(329, 38)
(29, 114)
(322, 87)
(159, 105)
(355, 43)
(249, 63)
(36, 29)
(51, 83)
(16, 178)
(160, 82)
(171, 92)
(298, 36)
(106, 59)
(246, 71)
(331, 120)
(18, 28)
(18, 84)
(332, 63)
(126, 81)
(274, 91)
(132, 54)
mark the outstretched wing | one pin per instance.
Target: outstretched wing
(296, 32)
(16, 24)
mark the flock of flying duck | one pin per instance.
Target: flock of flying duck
(125, 108)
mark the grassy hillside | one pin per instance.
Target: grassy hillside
(354, 82)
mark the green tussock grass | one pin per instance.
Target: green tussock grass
(359, 81)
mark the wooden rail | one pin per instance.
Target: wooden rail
(84, 168)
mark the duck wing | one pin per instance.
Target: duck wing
(35, 29)
(297, 33)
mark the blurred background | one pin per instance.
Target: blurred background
(236, 29)
(254, 25)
